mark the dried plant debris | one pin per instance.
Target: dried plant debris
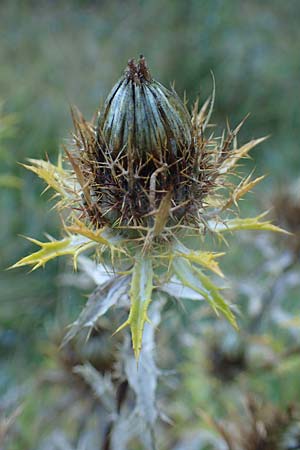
(7, 422)
(92, 383)
(260, 426)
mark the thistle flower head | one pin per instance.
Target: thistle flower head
(143, 175)
(140, 154)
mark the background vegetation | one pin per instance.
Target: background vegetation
(55, 54)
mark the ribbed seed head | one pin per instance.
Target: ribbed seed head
(143, 116)
(145, 164)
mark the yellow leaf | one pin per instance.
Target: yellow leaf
(251, 223)
(73, 245)
(205, 259)
(239, 153)
(83, 230)
(193, 278)
(100, 236)
(55, 176)
(245, 186)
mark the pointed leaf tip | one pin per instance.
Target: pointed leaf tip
(249, 223)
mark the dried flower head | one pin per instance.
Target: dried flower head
(143, 176)
(261, 425)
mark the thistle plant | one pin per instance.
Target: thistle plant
(138, 185)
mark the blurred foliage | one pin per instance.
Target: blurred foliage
(55, 54)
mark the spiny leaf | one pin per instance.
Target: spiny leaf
(73, 245)
(219, 302)
(94, 235)
(55, 176)
(101, 236)
(99, 302)
(177, 290)
(204, 259)
(245, 186)
(239, 153)
(193, 278)
(143, 379)
(251, 223)
(140, 297)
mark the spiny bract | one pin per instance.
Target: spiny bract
(143, 177)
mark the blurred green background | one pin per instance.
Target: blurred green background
(59, 53)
